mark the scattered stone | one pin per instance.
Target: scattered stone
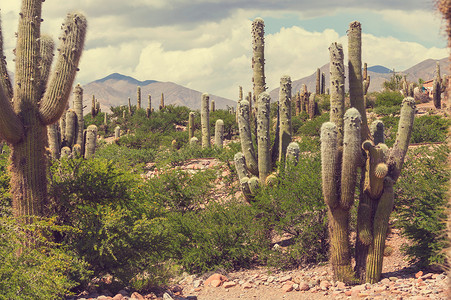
(215, 283)
(136, 296)
(285, 278)
(197, 283)
(118, 297)
(247, 285)
(229, 284)
(287, 287)
(166, 296)
(303, 286)
(419, 274)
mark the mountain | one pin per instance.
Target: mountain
(379, 69)
(115, 89)
(424, 70)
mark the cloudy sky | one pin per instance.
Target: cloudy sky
(206, 44)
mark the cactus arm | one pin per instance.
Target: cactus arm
(60, 83)
(285, 129)
(351, 155)
(355, 74)
(398, 153)
(47, 47)
(11, 128)
(258, 58)
(264, 149)
(377, 131)
(5, 81)
(380, 226)
(247, 146)
(337, 88)
(329, 163)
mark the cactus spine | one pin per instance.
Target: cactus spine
(37, 108)
(138, 97)
(258, 58)
(205, 120)
(219, 133)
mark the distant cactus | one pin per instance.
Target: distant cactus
(323, 83)
(258, 58)
(78, 108)
(95, 106)
(312, 106)
(205, 120)
(117, 132)
(161, 107)
(130, 111)
(149, 106)
(212, 105)
(138, 98)
(219, 133)
(438, 87)
(318, 82)
(191, 125)
(71, 127)
(91, 141)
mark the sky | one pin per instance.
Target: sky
(206, 44)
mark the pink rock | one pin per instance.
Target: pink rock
(247, 285)
(215, 276)
(419, 274)
(324, 284)
(287, 287)
(341, 285)
(118, 297)
(348, 293)
(136, 296)
(215, 283)
(303, 286)
(229, 284)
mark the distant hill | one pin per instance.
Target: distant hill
(424, 70)
(115, 89)
(379, 69)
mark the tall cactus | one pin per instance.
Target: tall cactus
(95, 106)
(379, 172)
(138, 97)
(149, 106)
(318, 82)
(161, 107)
(258, 58)
(191, 125)
(25, 116)
(78, 108)
(205, 120)
(219, 133)
(285, 130)
(91, 141)
(438, 87)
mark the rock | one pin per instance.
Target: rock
(247, 285)
(303, 286)
(324, 273)
(123, 292)
(229, 284)
(136, 296)
(427, 276)
(324, 285)
(215, 283)
(103, 297)
(393, 278)
(285, 278)
(419, 274)
(348, 293)
(197, 283)
(287, 287)
(166, 296)
(215, 276)
(296, 287)
(341, 285)
(118, 297)
(385, 281)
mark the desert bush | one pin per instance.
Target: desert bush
(430, 129)
(389, 99)
(127, 158)
(421, 204)
(387, 110)
(44, 270)
(312, 127)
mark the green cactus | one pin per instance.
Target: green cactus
(438, 87)
(380, 168)
(66, 152)
(191, 125)
(78, 108)
(194, 141)
(161, 107)
(293, 153)
(213, 105)
(247, 147)
(312, 106)
(219, 133)
(95, 106)
(90, 141)
(205, 120)
(285, 128)
(117, 132)
(138, 97)
(149, 106)
(5, 81)
(54, 137)
(318, 82)
(130, 111)
(71, 128)
(323, 83)
(25, 116)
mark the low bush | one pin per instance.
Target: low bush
(421, 204)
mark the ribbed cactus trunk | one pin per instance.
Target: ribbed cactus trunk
(161, 107)
(78, 108)
(318, 82)
(138, 97)
(95, 106)
(212, 105)
(205, 120)
(71, 128)
(117, 132)
(91, 141)
(149, 106)
(54, 137)
(247, 147)
(219, 133)
(264, 148)
(285, 128)
(323, 83)
(191, 125)
(438, 87)
(258, 58)
(355, 74)
(24, 123)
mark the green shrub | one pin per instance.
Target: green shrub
(44, 270)
(429, 129)
(389, 99)
(312, 127)
(117, 229)
(421, 204)
(5, 196)
(387, 110)
(294, 207)
(125, 157)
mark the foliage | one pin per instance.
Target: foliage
(44, 270)
(421, 204)
(293, 207)
(5, 195)
(387, 110)
(230, 124)
(116, 230)
(312, 127)
(395, 82)
(430, 129)
(388, 99)
(125, 157)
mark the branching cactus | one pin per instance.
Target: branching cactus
(438, 87)
(24, 116)
(380, 168)
(205, 120)
(219, 133)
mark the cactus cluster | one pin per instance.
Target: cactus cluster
(407, 88)
(95, 106)
(68, 137)
(347, 144)
(36, 100)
